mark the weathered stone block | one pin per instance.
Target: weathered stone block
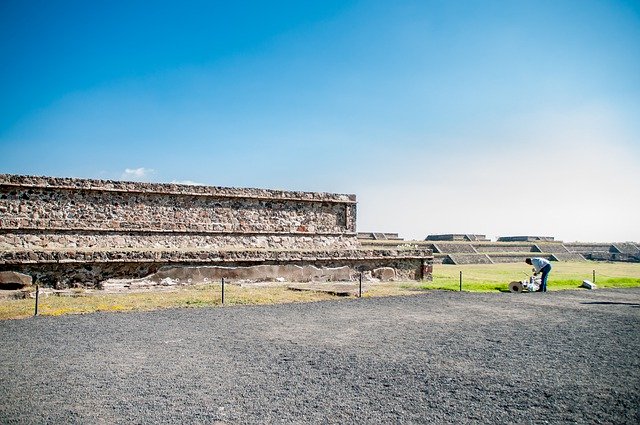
(385, 274)
(587, 284)
(14, 280)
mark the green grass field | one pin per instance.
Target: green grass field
(477, 277)
(564, 275)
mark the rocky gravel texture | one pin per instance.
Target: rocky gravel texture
(439, 357)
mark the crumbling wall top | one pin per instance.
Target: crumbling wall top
(66, 183)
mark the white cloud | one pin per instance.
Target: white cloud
(187, 182)
(137, 174)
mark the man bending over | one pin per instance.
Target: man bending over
(540, 265)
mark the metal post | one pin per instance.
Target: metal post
(223, 290)
(594, 276)
(460, 280)
(360, 287)
(37, 292)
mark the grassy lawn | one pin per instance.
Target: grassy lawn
(476, 277)
(564, 275)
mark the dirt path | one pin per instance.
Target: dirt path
(446, 357)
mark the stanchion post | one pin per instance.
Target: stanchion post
(35, 313)
(594, 276)
(223, 290)
(360, 287)
(460, 280)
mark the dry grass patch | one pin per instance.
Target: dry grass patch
(476, 277)
(184, 297)
(195, 296)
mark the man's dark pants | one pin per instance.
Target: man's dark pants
(545, 273)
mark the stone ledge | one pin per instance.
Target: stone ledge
(62, 270)
(202, 256)
(36, 182)
(283, 231)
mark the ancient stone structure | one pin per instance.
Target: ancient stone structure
(65, 213)
(457, 237)
(526, 239)
(67, 232)
(378, 236)
(487, 252)
(617, 251)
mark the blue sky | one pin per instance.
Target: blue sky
(492, 117)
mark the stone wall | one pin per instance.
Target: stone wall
(58, 212)
(554, 248)
(457, 248)
(625, 248)
(75, 232)
(89, 268)
(504, 247)
(460, 237)
(527, 239)
(461, 252)
(584, 248)
(367, 236)
(60, 239)
(467, 259)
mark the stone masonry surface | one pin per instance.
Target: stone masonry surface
(71, 268)
(68, 232)
(53, 212)
(56, 240)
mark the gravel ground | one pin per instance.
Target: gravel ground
(443, 357)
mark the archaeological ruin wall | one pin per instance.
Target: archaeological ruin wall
(52, 213)
(68, 231)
